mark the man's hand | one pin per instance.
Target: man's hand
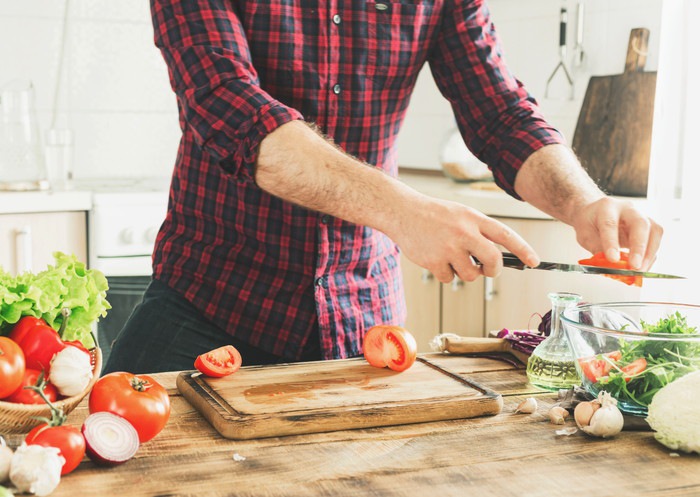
(441, 236)
(608, 224)
(552, 180)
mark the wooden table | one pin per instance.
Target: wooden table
(505, 455)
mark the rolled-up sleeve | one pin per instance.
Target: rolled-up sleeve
(217, 87)
(499, 121)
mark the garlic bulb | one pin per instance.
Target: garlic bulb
(36, 469)
(71, 371)
(5, 460)
(600, 417)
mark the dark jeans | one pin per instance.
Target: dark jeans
(166, 333)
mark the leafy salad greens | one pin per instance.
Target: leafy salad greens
(643, 367)
(67, 284)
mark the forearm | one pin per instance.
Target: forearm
(552, 180)
(300, 166)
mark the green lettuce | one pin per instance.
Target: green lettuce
(67, 284)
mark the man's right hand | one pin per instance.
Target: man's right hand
(441, 236)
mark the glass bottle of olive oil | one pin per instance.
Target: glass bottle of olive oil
(551, 365)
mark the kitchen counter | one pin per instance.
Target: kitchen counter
(503, 455)
(46, 201)
(482, 196)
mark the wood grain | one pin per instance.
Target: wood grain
(491, 456)
(312, 397)
(613, 133)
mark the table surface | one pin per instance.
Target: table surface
(503, 455)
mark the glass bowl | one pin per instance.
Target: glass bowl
(632, 349)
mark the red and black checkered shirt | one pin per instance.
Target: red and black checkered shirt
(272, 273)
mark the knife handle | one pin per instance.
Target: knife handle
(509, 260)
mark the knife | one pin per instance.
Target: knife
(511, 261)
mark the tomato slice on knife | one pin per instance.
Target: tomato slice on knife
(390, 346)
(219, 362)
(600, 260)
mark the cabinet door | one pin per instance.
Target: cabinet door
(27, 241)
(518, 296)
(422, 291)
(463, 307)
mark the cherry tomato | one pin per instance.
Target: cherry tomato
(68, 439)
(12, 366)
(634, 368)
(596, 367)
(137, 398)
(600, 260)
(24, 395)
(392, 346)
(219, 362)
(39, 342)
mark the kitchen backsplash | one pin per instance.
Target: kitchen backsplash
(115, 95)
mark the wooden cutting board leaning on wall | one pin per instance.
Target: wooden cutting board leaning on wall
(613, 133)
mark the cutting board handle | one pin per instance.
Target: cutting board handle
(637, 50)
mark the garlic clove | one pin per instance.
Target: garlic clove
(527, 406)
(584, 412)
(558, 415)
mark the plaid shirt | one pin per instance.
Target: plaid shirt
(272, 273)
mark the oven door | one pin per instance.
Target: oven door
(124, 294)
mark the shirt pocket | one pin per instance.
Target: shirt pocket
(398, 38)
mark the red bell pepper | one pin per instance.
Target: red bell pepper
(39, 342)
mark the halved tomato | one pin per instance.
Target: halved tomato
(634, 368)
(392, 346)
(600, 260)
(219, 362)
(597, 366)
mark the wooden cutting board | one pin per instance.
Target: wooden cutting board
(324, 396)
(613, 133)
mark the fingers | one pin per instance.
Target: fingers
(503, 235)
(655, 234)
(608, 227)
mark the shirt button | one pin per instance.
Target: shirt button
(325, 218)
(319, 281)
(336, 19)
(336, 89)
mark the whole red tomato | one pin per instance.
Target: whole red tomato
(23, 395)
(68, 439)
(137, 398)
(11, 366)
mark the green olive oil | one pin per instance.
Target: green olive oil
(551, 365)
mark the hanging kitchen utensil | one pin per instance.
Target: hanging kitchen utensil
(579, 53)
(613, 133)
(561, 66)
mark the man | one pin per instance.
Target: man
(281, 237)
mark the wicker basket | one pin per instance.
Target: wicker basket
(20, 418)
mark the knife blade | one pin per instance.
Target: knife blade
(511, 261)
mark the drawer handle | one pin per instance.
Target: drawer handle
(23, 249)
(489, 291)
(426, 276)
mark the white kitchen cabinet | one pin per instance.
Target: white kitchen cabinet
(512, 300)
(27, 241)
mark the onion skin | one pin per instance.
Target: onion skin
(101, 449)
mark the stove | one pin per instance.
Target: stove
(123, 223)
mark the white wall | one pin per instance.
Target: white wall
(116, 97)
(115, 94)
(529, 32)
